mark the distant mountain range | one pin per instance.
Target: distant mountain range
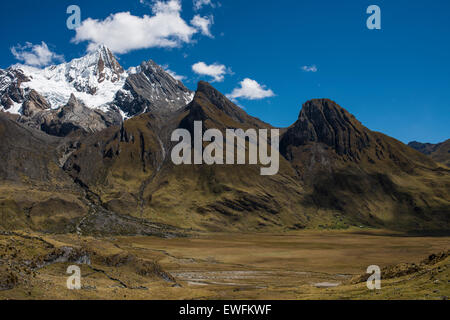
(89, 152)
(439, 152)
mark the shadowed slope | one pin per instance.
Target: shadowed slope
(34, 191)
(438, 152)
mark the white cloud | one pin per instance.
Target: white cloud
(312, 68)
(198, 4)
(123, 32)
(203, 24)
(38, 55)
(216, 71)
(251, 90)
(173, 73)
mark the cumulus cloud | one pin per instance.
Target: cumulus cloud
(216, 71)
(251, 90)
(203, 24)
(37, 55)
(312, 68)
(198, 4)
(123, 32)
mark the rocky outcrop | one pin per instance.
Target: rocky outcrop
(75, 115)
(71, 117)
(335, 173)
(10, 91)
(209, 104)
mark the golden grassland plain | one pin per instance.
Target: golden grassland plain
(292, 265)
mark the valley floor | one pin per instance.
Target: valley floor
(294, 265)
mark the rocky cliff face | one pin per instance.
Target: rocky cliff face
(334, 173)
(11, 93)
(324, 121)
(152, 89)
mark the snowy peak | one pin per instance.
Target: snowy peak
(94, 79)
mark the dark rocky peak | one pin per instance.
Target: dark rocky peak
(150, 67)
(206, 91)
(34, 103)
(324, 121)
(152, 89)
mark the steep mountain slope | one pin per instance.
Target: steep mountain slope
(333, 173)
(439, 152)
(368, 176)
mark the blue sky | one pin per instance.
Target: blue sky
(395, 80)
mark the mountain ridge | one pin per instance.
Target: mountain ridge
(439, 152)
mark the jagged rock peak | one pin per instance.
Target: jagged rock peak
(101, 64)
(34, 103)
(324, 121)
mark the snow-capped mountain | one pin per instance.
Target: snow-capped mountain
(97, 81)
